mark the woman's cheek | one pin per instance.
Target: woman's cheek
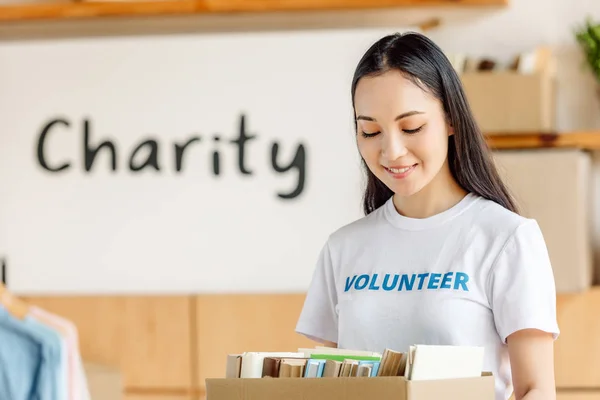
(368, 149)
(428, 147)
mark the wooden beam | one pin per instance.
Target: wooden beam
(115, 8)
(582, 140)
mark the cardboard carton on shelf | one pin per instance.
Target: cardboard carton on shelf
(554, 186)
(514, 101)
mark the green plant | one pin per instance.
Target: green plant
(588, 37)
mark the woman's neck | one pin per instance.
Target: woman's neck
(441, 194)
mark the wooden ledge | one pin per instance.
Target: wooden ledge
(582, 140)
(128, 8)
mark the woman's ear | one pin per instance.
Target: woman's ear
(449, 125)
(450, 130)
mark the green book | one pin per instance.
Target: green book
(342, 357)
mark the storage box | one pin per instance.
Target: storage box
(511, 102)
(104, 383)
(553, 186)
(353, 388)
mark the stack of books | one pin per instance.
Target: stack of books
(421, 362)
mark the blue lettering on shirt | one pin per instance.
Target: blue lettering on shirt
(406, 282)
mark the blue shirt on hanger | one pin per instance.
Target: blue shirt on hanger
(51, 356)
(20, 360)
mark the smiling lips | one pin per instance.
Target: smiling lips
(400, 172)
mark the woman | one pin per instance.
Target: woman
(441, 257)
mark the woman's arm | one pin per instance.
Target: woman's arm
(329, 344)
(532, 362)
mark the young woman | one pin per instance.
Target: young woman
(441, 257)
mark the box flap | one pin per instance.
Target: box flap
(352, 388)
(481, 388)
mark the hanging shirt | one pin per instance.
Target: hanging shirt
(75, 382)
(20, 360)
(471, 275)
(52, 360)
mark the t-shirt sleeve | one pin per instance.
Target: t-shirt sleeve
(318, 319)
(523, 291)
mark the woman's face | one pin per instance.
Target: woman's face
(401, 132)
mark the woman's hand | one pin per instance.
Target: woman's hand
(532, 362)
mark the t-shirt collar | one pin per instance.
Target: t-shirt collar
(400, 221)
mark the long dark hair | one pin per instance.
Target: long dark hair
(469, 157)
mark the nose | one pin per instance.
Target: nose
(393, 146)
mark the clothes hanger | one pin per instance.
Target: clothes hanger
(15, 306)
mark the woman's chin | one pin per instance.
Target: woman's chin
(405, 188)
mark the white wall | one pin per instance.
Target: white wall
(497, 32)
(174, 85)
(103, 231)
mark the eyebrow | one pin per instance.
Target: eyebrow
(399, 117)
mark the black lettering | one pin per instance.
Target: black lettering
(216, 158)
(241, 144)
(299, 162)
(91, 153)
(180, 149)
(42, 141)
(151, 158)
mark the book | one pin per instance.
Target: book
(342, 357)
(427, 362)
(391, 363)
(314, 368)
(292, 367)
(252, 362)
(272, 365)
(349, 368)
(420, 362)
(364, 370)
(233, 367)
(372, 366)
(338, 351)
(332, 369)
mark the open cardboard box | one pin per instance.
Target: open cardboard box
(511, 102)
(515, 101)
(352, 388)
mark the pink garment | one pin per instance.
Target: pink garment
(77, 382)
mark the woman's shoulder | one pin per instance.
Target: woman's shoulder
(359, 228)
(496, 219)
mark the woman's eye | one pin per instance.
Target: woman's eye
(368, 135)
(411, 131)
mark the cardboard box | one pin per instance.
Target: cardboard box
(104, 383)
(510, 102)
(554, 186)
(354, 388)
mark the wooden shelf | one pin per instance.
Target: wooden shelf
(98, 9)
(582, 140)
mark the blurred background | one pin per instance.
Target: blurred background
(170, 169)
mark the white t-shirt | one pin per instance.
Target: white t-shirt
(471, 275)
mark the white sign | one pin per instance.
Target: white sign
(192, 163)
